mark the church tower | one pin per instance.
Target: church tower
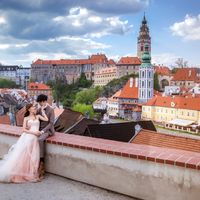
(143, 38)
(146, 76)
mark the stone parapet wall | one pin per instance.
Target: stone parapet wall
(140, 171)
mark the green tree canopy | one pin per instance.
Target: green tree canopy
(83, 108)
(156, 82)
(66, 93)
(5, 83)
(87, 96)
(116, 84)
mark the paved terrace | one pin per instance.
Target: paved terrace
(56, 188)
(139, 171)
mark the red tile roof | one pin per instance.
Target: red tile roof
(98, 58)
(5, 119)
(186, 74)
(178, 102)
(111, 62)
(38, 86)
(62, 62)
(115, 96)
(129, 61)
(151, 138)
(162, 70)
(129, 92)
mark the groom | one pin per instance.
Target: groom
(46, 128)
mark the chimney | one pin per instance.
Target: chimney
(190, 72)
(136, 82)
(131, 82)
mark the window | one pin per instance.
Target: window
(143, 74)
(142, 83)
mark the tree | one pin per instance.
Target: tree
(181, 63)
(83, 108)
(156, 82)
(83, 82)
(5, 83)
(66, 93)
(87, 96)
(116, 84)
(174, 70)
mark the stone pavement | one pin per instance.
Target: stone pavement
(56, 188)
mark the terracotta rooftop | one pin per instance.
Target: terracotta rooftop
(151, 138)
(38, 86)
(98, 58)
(115, 96)
(129, 61)
(128, 91)
(111, 62)
(178, 102)
(162, 70)
(187, 74)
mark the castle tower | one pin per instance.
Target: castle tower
(143, 38)
(146, 76)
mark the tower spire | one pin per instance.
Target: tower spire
(143, 38)
(144, 21)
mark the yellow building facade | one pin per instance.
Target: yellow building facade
(165, 109)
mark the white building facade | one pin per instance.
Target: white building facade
(146, 77)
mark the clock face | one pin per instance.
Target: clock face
(172, 104)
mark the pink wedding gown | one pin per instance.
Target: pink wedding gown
(21, 163)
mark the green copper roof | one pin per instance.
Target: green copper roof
(146, 58)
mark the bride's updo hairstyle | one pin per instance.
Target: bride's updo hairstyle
(28, 106)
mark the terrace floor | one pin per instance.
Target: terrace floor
(56, 188)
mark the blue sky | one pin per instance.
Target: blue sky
(50, 29)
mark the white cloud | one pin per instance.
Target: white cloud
(188, 29)
(24, 52)
(2, 20)
(167, 59)
(22, 45)
(92, 24)
(83, 42)
(4, 46)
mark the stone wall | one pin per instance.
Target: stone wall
(140, 171)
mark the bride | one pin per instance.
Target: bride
(22, 161)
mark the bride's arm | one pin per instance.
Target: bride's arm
(27, 130)
(43, 117)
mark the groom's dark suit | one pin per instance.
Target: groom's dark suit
(47, 127)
